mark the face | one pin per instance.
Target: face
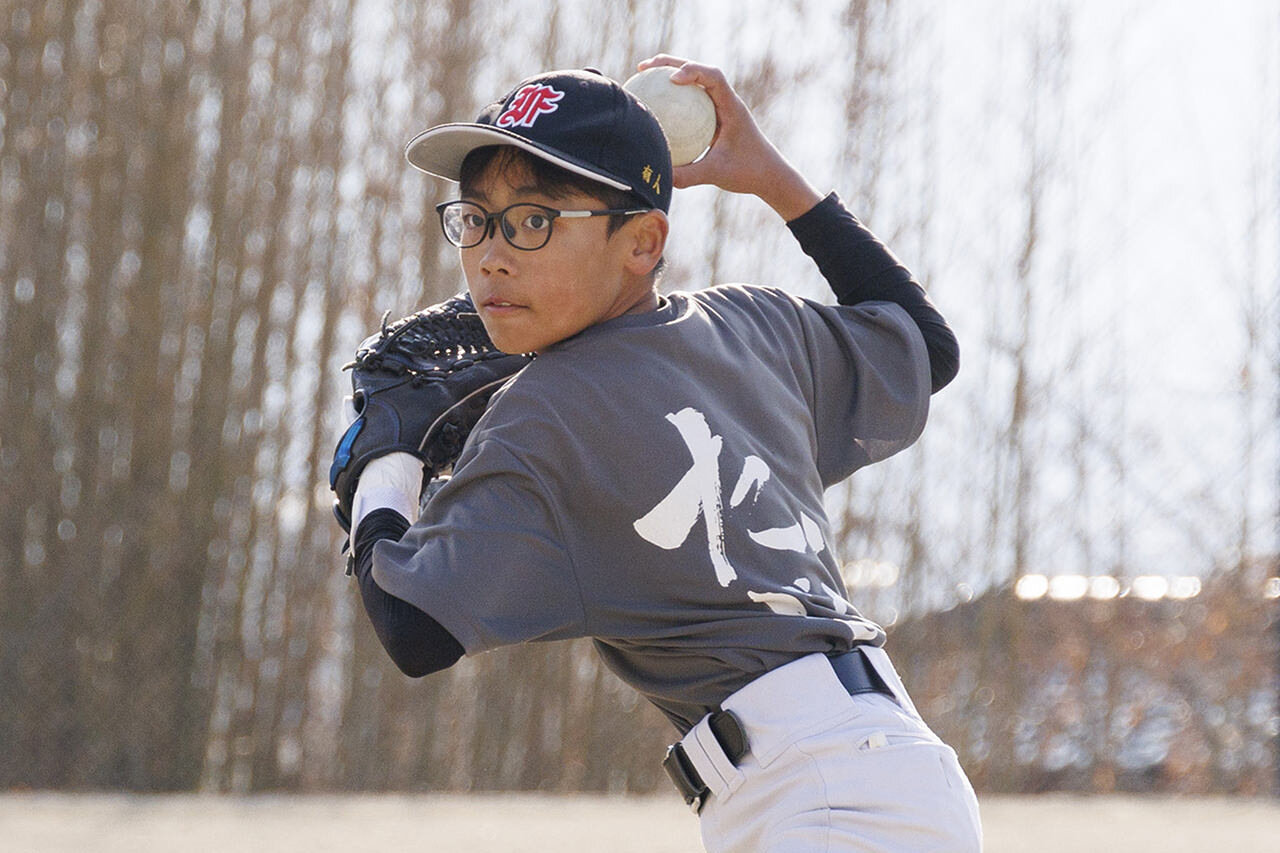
(583, 276)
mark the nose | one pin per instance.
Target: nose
(496, 253)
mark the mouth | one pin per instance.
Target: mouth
(494, 304)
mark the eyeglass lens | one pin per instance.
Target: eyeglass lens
(525, 226)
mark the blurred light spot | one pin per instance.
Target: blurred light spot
(63, 459)
(1031, 587)
(289, 755)
(1068, 587)
(1150, 587)
(173, 53)
(1272, 588)
(51, 60)
(876, 574)
(1104, 587)
(291, 510)
(34, 554)
(1184, 587)
(179, 471)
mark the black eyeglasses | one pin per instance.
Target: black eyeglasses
(524, 226)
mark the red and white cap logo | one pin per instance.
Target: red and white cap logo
(528, 104)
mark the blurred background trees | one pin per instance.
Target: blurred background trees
(204, 207)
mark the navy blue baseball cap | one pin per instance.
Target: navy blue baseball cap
(579, 120)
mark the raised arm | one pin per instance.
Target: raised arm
(860, 268)
(855, 263)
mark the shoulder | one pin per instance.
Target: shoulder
(534, 418)
(528, 395)
(745, 295)
(779, 305)
(769, 308)
(776, 302)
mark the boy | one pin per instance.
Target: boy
(653, 479)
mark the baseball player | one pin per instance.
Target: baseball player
(653, 478)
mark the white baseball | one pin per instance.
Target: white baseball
(686, 113)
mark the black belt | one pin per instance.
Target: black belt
(852, 669)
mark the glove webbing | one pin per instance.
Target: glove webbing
(456, 336)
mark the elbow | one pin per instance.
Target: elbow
(417, 644)
(416, 660)
(944, 358)
(412, 667)
(942, 371)
(409, 661)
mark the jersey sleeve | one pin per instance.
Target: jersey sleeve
(486, 559)
(860, 268)
(871, 383)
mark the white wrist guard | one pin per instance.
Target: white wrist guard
(394, 482)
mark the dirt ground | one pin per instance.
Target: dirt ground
(44, 823)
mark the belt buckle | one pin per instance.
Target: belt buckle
(685, 777)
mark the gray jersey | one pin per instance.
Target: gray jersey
(656, 483)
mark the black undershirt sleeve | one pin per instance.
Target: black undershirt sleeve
(860, 268)
(418, 644)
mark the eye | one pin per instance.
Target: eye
(537, 221)
(472, 219)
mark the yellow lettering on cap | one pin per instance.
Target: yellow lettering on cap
(646, 174)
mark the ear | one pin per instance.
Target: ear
(646, 241)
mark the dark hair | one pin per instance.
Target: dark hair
(548, 179)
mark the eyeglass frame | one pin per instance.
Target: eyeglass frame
(491, 220)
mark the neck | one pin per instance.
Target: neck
(645, 302)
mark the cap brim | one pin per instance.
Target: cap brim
(440, 151)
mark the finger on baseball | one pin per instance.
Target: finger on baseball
(660, 59)
(690, 175)
(688, 71)
(731, 111)
(708, 77)
(715, 167)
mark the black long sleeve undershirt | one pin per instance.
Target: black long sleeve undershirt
(860, 268)
(418, 644)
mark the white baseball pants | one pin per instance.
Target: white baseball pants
(826, 771)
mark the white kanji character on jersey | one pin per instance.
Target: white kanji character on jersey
(791, 602)
(668, 524)
(697, 493)
(800, 537)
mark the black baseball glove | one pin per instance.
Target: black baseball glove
(419, 385)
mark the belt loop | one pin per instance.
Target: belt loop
(685, 777)
(701, 765)
(729, 734)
